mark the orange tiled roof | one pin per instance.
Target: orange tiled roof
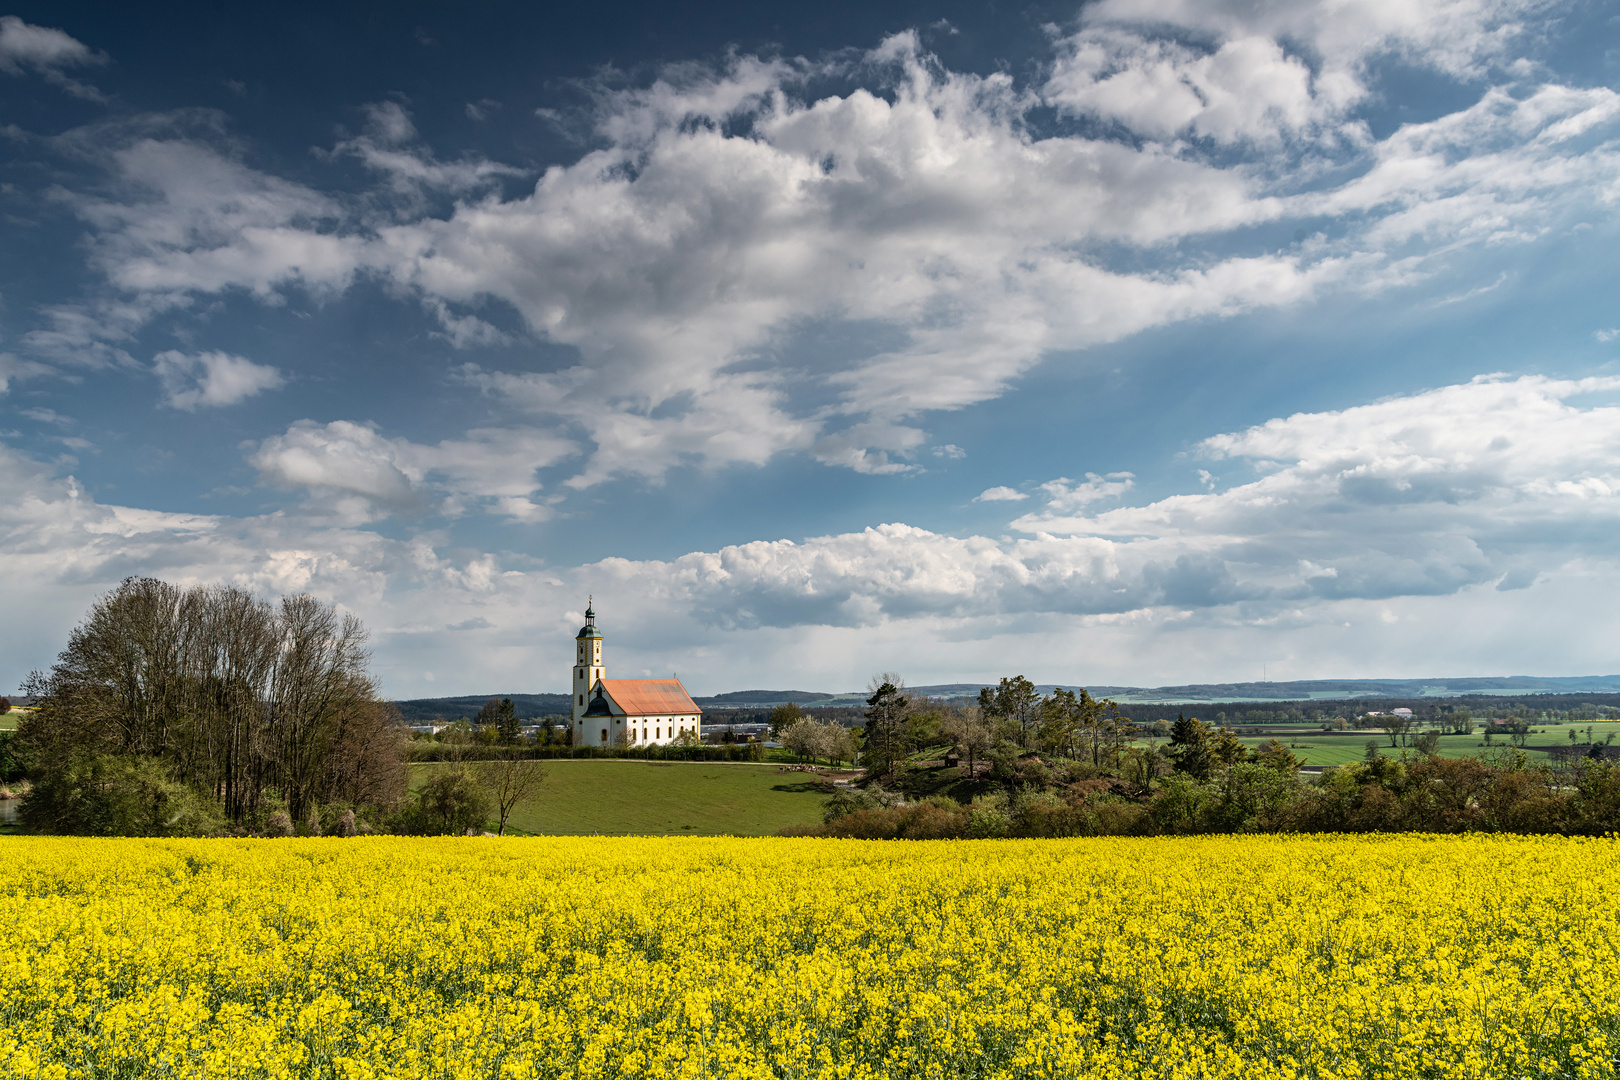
(650, 697)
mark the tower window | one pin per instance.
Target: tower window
(582, 699)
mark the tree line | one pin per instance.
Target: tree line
(1016, 763)
(197, 709)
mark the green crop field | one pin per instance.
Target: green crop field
(579, 798)
(1341, 749)
(1315, 748)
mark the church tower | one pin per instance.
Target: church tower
(587, 662)
(631, 713)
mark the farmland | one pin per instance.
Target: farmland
(390, 957)
(1317, 748)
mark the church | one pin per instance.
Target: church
(625, 712)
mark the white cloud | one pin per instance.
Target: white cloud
(1433, 533)
(1000, 494)
(721, 213)
(355, 473)
(1064, 495)
(45, 51)
(1461, 487)
(347, 463)
(1423, 494)
(1247, 89)
(390, 146)
(212, 379)
(13, 367)
(196, 221)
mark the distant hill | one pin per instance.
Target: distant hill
(531, 706)
(528, 706)
(1341, 689)
(741, 698)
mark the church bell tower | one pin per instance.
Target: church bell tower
(587, 662)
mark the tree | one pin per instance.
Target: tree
(842, 744)
(509, 783)
(970, 733)
(1061, 717)
(1226, 748)
(1015, 701)
(1274, 755)
(218, 692)
(783, 717)
(499, 717)
(1396, 727)
(507, 724)
(1190, 746)
(451, 803)
(804, 738)
(885, 723)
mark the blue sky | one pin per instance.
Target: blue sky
(1128, 342)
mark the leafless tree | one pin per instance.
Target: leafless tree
(509, 783)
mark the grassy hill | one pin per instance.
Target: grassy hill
(618, 798)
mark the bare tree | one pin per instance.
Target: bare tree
(318, 685)
(509, 783)
(969, 731)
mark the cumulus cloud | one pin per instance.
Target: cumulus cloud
(45, 51)
(723, 211)
(358, 474)
(212, 379)
(1461, 487)
(1361, 530)
(193, 220)
(1000, 494)
(347, 463)
(1064, 494)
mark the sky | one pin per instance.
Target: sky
(1135, 342)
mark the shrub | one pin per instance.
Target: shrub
(104, 795)
(451, 803)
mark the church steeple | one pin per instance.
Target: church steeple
(587, 661)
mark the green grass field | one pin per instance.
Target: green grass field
(635, 798)
(8, 721)
(1341, 749)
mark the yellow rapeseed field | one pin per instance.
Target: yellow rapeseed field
(383, 957)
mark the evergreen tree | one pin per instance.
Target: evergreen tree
(885, 724)
(1190, 740)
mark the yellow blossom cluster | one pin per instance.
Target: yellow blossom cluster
(1331, 957)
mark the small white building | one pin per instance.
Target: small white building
(625, 712)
